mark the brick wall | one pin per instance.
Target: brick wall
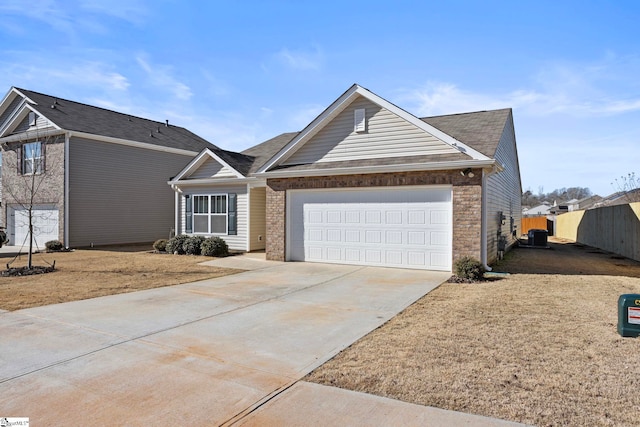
(17, 189)
(467, 207)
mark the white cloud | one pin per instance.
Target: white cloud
(301, 60)
(87, 74)
(577, 90)
(161, 76)
(133, 11)
(50, 12)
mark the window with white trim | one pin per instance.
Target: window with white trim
(32, 158)
(210, 214)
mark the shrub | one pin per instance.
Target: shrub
(160, 245)
(215, 246)
(54, 245)
(175, 244)
(469, 268)
(191, 245)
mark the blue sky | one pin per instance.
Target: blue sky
(240, 72)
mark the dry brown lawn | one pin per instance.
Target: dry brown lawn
(539, 346)
(91, 273)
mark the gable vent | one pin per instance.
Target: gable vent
(359, 122)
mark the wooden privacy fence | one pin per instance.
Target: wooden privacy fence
(537, 223)
(613, 228)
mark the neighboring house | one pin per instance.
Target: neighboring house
(101, 174)
(618, 198)
(364, 183)
(543, 209)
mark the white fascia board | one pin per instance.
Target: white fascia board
(130, 143)
(8, 98)
(357, 170)
(199, 161)
(447, 139)
(214, 182)
(32, 135)
(31, 101)
(193, 164)
(312, 128)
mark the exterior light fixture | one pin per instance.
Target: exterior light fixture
(467, 172)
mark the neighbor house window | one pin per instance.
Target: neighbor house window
(210, 214)
(32, 158)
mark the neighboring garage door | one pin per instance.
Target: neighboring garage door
(391, 227)
(45, 226)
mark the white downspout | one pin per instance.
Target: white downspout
(484, 226)
(248, 239)
(67, 138)
(176, 203)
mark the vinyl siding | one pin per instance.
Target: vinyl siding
(237, 242)
(386, 135)
(504, 191)
(119, 194)
(257, 221)
(11, 108)
(212, 169)
(41, 123)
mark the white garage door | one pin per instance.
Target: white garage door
(45, 226)
(391, 227)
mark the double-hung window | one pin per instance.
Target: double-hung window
(32, 158)
(210, 214)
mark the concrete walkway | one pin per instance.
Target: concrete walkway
(221, 351)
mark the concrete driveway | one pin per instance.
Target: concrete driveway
(205, 353)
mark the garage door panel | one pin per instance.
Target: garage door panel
(399, 227)
(352, 217)
(393, 237)
(439, 260)
(439, 217)
(394, 258)
(416, 238)
(353, 236)
(352, 255)
(415, 217)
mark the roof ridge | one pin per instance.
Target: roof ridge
(465, 113)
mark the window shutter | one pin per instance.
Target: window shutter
(188, 214)
(43, 153)
(233, 214)
(19, 158)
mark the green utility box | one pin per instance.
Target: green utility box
(629, 315)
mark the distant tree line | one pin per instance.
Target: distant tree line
(559, 195)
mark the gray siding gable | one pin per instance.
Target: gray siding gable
(385, 135)
(211, 168)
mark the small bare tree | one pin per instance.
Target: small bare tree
(629, 185)
(32, 175)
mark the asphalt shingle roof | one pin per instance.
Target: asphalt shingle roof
(261, 153)
(75, 116)
(480, 130)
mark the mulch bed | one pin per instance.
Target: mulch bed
(26, 271)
